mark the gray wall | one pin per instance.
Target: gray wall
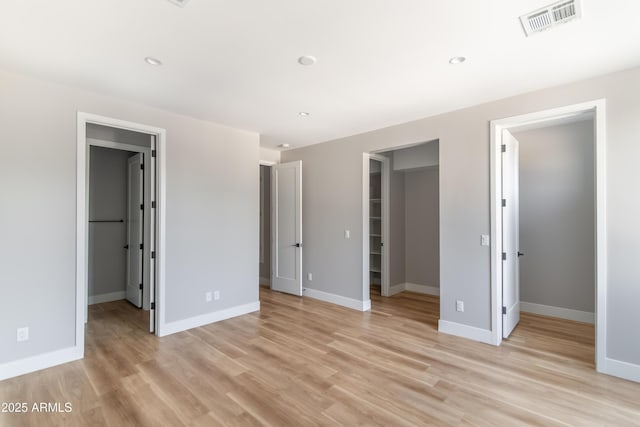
(557, 217)
(419, 156)
(107, 201)
(332, 183)
(211, 219)
(265, 266)
(422, 242)
(397, 229)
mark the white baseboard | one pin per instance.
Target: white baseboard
(337, 299)
(563, 313)
(396, 289)
(41, 361)
(205, 319)
(621, 369)
(264, 281)
(421, 289)
(113, 296)
(465, 331)
(413, 287)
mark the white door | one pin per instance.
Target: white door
(135, 229)
(286, 226)
(510, 235)
(151, 229)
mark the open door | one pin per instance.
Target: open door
(153, 197)
(286, 228)
(510, 235)
(135, 227)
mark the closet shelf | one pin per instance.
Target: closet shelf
(375, 235)
(375, 253)
(375, 217)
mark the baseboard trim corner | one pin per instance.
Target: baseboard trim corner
(205, 319)
(41, 361)
(620, 369)
(337, 299)
(465, 331)
(563, 313)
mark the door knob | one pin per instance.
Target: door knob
(520, 254)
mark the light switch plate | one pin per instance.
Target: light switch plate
(484, 240)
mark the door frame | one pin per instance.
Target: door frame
(384, 194)
(92, 142)
(82, 215)
(598, 108)
(275, 258)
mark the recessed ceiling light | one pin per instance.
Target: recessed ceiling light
(284, 145)
(307, 60)
(457, 60)
(152, 61)
(303, 113)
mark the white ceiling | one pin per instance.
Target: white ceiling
(380, 62)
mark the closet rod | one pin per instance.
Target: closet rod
(106, 220)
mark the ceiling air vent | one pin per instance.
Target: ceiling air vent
(547, 17)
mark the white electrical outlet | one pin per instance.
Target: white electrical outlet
(309, 276)
(207, 296)
(347, 234)
(484, 240)
(460, 306)
(216, 295)
(22, 334)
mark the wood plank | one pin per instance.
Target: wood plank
(301, 361)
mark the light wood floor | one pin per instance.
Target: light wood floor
(304, 362)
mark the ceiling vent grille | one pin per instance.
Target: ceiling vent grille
(547, 17)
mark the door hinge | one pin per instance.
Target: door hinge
(141, 246)
(153, 254)
(503, 148)
(153, 153)
(153, 205)
(140, 286)
(504, 203)
(141, 166)
(504, 256)
(153, 306)
(142, 207)
(504, 310)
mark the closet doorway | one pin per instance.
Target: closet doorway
(120, 226)
(402, 220)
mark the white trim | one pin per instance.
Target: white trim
(598, 107)
(561, 312)
(338, 299)
(421, 289)
(82, 215)
(465, 331)
(365, 228)
(112, 296)
(414, 287)
(267, 163)
(621, 369)
(41, 361)
(205, 319)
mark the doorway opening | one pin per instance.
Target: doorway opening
(120, 220)
(546, 199)
(265, 226)
(401, 220)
